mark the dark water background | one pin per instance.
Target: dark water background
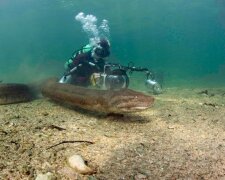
(184, 41)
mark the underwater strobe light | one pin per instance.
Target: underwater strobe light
(154, 86)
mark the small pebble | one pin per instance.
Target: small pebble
(140, 176)
(45, 114)
(47, 176)
(77, 163)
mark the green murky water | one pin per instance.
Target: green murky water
(183, 41)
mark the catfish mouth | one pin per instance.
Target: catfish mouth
(140, 108)
(132, 103)
(134, 108)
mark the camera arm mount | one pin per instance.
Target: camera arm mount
(131, 68)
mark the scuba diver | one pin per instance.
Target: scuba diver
(88, 67)
(85, 62)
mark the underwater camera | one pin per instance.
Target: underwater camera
(115, 77)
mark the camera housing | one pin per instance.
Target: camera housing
(114, 80)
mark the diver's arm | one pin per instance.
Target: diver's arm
(73, 70)
(68, 74)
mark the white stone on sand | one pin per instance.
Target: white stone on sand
(47, 176)
(77, 163)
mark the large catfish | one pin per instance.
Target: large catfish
(108, 101)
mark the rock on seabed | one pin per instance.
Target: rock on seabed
(77, 163)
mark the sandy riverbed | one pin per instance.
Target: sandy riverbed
(182, 136)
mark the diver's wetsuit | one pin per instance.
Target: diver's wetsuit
(86, 66)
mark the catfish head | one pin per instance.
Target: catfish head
(126, 100)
